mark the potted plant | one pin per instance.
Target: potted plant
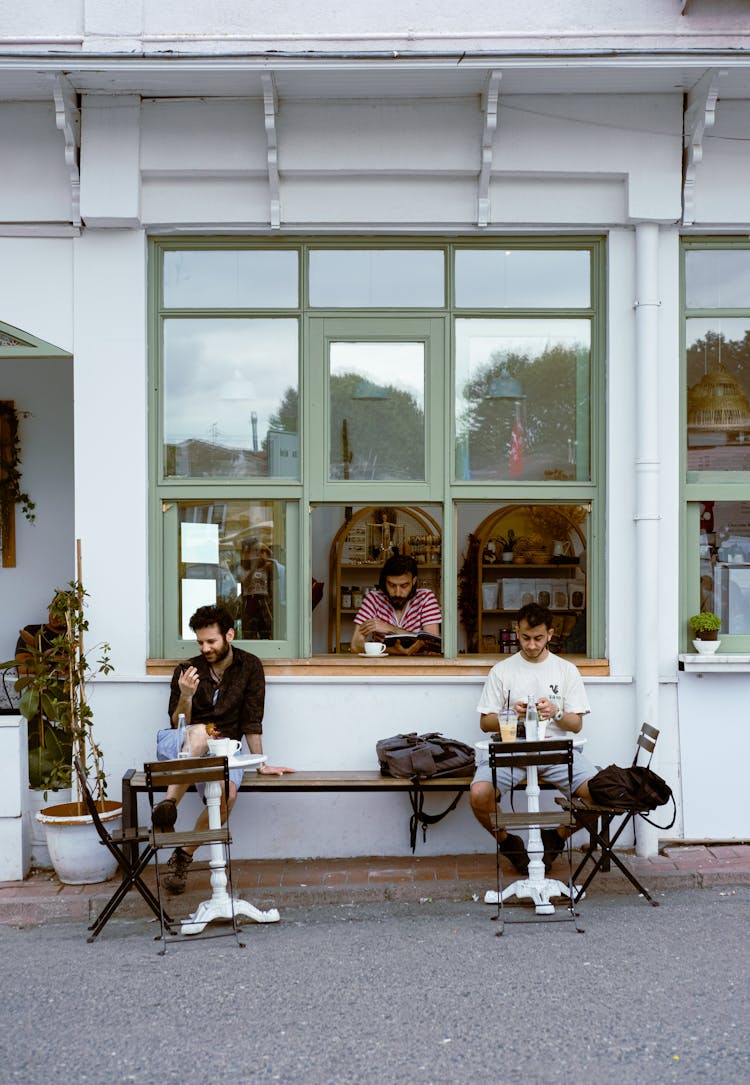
(507, 544)
(54, 689)
(706, 627)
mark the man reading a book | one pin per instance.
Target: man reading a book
(406, 618)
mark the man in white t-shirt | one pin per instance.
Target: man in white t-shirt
(557, 689)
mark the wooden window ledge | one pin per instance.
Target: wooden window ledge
(345, 666)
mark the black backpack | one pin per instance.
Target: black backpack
(638, 788)
(428, 755)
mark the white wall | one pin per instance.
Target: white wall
(313, 723)
(35, 180)
(35, 288)
(411, 19)
(111, 476)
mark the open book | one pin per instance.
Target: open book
(428, 641)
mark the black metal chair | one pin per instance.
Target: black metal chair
(133, 851)
(518, 757)
(185, 772)
(597, 820)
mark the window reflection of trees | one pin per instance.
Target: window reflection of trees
(378, 437)
(544, 414)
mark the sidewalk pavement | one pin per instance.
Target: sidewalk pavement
(292, 883)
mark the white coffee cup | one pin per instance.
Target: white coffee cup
(374, 648)
(223, 747)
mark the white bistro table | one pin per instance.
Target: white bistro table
(537, 887)
(221, 905)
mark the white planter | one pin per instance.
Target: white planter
(706, 647)
(34, 831)
(77, 854)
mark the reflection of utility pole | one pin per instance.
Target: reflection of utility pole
(346, 454)
(254, 424)
(213, 433)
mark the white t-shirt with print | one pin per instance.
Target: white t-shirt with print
(554, 678)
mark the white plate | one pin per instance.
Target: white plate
(368, 655)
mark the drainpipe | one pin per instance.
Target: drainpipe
(647, 468)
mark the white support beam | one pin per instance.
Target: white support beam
(270, 111)
(489, 108)
(68, 121)
(700, 115)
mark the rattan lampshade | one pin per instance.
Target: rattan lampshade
(717, 402)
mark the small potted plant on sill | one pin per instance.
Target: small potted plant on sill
(706, 627)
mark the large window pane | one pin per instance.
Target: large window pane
(520, 279)
(377, 411)
(511, 555)
(725, 563)
(234, 553)
(718, 395)
(377, 279)
(717, 279)
(230, 398)
(522, 399)
(255, 279)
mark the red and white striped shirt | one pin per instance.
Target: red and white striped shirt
(422, 609)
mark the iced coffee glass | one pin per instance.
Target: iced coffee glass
(508, 726)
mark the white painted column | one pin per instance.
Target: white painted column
(647, 471)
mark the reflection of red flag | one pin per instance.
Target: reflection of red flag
(515, 460)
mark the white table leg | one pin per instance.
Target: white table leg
(221, 906)
(536, 887)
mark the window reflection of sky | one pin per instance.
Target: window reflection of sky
(217, 372)
(717, 279)
(400, 365)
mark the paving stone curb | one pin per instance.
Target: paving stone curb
(41, 899)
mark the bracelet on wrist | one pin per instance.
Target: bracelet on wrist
(559, 715)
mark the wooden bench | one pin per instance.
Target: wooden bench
(361, 780)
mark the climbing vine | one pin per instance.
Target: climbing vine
(11, 493)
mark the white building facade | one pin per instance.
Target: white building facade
(269, 273)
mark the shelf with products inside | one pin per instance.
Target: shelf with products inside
(529, 554)
(359, 550)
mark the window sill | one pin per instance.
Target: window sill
(344, 666)
(694, 663)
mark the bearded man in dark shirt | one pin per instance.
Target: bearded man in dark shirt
(222, 688)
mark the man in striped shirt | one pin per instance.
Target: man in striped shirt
(396, 606)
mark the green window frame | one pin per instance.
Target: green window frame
(702, 488)
(441, 486)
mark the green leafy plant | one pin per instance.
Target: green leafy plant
(52, 687)
(509, 541)
(705, 622)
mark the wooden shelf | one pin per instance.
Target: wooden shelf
(365, 574)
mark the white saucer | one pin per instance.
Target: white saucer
(367, 655)
(246, 760)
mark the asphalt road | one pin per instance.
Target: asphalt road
(385, 993)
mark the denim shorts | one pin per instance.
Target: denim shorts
(552, 774)
(166, 750)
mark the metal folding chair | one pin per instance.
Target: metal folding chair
(133, 851)
(597, 820)
(184, 772)
(519, 757)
